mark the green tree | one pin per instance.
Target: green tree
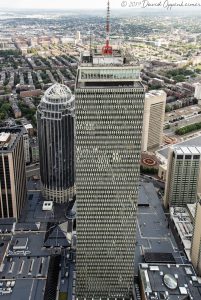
(2, 116)
(188, 128)
(167, 108)
(5, 107)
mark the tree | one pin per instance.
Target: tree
(189, 128)
(167, 108)
(5, 107)
(2, 116)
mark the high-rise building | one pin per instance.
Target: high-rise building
(109, 116)
(197, 93)
(196, 239)
(55, 117)
(12, 172)
(154, 113)
(26, 147)
(183, 176)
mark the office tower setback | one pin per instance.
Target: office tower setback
(109, 115)
(196, 239)
(55, 117)
(183, 176)
(12, 172)
(153, 119)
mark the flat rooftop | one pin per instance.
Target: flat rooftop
(194, 142)
(189, 111)
(154, 235)
(184, 226)
(169, 281)
(28, 268)
(187, 150)
(24, 289)
(9, 138)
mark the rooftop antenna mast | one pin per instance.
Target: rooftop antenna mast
(107, 49)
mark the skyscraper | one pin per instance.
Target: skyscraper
(196, 239)
(183, 174)
(12, 172)
(109, 115)
(55, 117)
(154, 113)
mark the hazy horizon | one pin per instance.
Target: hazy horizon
(84, 5)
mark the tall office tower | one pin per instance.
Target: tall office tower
(109, 116)
(183, 176)
(196, 239)
(154, 113)
(197, 94)
(55, 117)
(78, 35)
(12, 173)
(26, 146)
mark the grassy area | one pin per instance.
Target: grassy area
(5, 110)
(198, 67)
(188, 128)
(179, 74)
(63, 296)
(27, 112)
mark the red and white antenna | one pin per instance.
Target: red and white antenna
(107, 49)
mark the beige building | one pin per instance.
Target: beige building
(162, 171)
(154, 113)
(196, 239)
(12, 173)
(197, 94)
(183, 176)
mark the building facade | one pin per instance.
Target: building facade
(109, 116)
(55, 117)
(153, 119)
(34, 150)
(197, 94)
(26, 148)
(12, 173)
(196, 239)
(183, 176)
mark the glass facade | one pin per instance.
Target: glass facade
(108, 143)
(55, 117)
(12, 175)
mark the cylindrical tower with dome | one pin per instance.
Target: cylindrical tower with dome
(55, 119)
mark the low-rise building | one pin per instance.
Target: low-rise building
(183, 225)
(168, 281)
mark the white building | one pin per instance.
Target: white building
(183, 176)
(197, 94)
